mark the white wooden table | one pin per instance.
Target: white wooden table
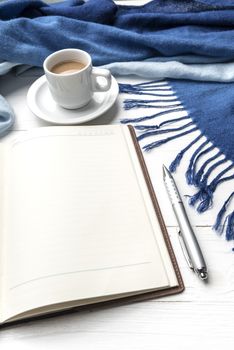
(201, 317)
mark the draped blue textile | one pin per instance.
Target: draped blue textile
(204, 106)
(7, 116)
(30, 30)
(205, 102)
(155, 69)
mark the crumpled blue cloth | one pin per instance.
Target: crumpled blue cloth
(7, 116)
(30, 30)
(216, 72)
(5, 67)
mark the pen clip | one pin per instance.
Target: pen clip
(185, 252)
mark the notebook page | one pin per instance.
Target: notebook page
(151, 212)
(76, 226)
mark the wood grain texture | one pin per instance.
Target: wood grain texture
(201, 317)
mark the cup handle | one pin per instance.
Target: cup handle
(103, 73)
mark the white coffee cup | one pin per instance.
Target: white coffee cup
(74, 90)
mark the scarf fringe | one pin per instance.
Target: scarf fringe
(198, 175)
(156, 115)
(144, 88)
(130, 104)
(154, 144)
(219, 227)
(163, 131)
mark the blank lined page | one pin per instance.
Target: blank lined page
(76, 223)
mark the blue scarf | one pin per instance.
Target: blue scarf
(204, 106)
(162, 29)
(30, 30)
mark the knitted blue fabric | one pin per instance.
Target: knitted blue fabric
(204, 106)
(205, 103)
(30, 30)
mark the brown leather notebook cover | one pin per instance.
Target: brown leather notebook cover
(180, 287)
(138, 297)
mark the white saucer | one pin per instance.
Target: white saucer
(43, 106)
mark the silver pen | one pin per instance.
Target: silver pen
(188, 241)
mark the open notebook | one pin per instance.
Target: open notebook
(80, 223)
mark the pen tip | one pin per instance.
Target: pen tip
(203, 274)
(165, 171)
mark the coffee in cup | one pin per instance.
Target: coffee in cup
(71, 78)
(67, 67)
